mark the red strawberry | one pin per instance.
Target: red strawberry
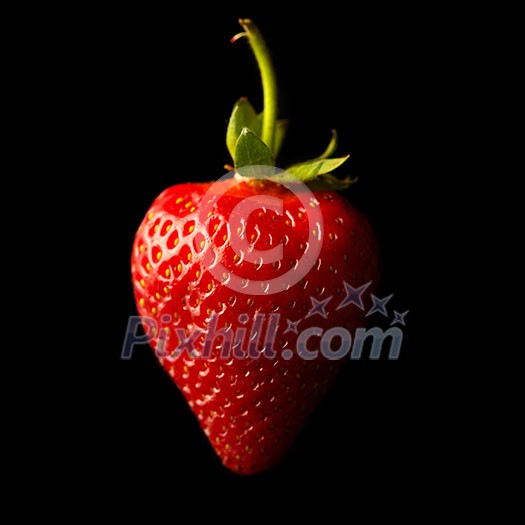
(250, 403)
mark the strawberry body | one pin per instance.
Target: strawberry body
(251, 398)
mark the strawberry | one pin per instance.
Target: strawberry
(221, 281)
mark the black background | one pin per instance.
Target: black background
(152, 95)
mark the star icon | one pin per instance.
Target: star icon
(318, 307)
(292, 327)
(379, 305)
(353, 295)
(399, 318)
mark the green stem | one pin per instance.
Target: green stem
(264, 61)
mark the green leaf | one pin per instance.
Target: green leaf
(250, 150)
(243, 116)
(310, 170)
(331, 182)
(332, 146)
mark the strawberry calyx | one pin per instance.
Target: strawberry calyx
(256, 138)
